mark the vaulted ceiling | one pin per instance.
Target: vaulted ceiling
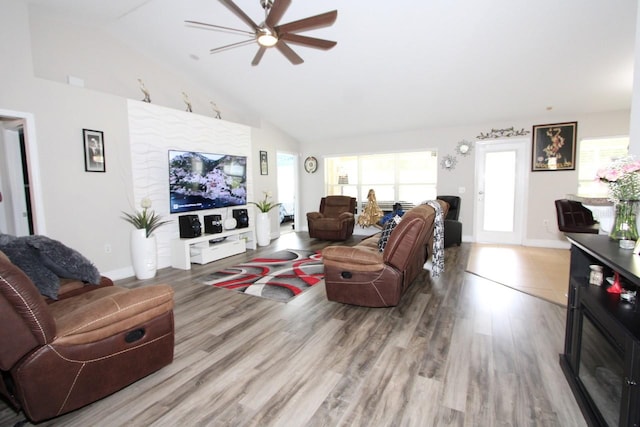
(398, 65)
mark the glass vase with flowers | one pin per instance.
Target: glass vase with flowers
(623, 179)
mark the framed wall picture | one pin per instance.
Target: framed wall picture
(264, 163)
(554, 147)
(93, 151)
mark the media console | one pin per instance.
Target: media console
(601, 358)
(211, 247)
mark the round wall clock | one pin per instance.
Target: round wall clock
(310, 164)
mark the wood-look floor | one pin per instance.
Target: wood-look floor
(542, 272)
(459, 350)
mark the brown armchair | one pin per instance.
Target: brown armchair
(573, 217)
(60, 356)
(335, 221)
(362, 275)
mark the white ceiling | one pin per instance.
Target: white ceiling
(399, 64)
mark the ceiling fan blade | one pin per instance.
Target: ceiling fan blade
(308, 41)
(232, 45)
(240, 14)
(258, 57)
(277, 12)
(317, 21)
(217, 27)
(293, 57)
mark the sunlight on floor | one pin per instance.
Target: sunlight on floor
(541, 272)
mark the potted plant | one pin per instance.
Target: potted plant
(263, 226)
(143, 242)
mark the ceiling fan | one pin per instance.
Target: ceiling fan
(269, 34)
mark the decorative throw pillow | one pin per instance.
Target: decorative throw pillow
(386, 232)
(27, 259)
(45, 260)
(64, 261)
(6, 238)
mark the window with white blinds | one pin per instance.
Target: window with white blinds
(595, 154)
(409, 178)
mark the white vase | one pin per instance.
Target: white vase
(263, 229)
(143, 254)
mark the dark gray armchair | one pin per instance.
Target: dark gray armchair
(452, 227)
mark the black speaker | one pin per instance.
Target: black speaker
(241, 217)
(189, 226)
(212, 224)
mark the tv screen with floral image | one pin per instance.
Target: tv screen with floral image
(200, 181)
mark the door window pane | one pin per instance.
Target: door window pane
(499, 191)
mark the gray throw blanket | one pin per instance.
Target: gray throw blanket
(437, 259)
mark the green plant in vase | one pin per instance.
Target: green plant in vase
(147, 219)
(263, 228)
(265, 205)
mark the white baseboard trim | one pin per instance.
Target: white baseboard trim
(552, 244)
(121, 273)
(538, 243)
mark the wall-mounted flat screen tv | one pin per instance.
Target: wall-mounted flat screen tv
(206, 181)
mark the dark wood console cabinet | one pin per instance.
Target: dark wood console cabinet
(601, 358)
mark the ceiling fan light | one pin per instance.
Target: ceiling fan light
(267, 39)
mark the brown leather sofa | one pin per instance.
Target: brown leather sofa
(335, 220)
(362, 275)
(57, 356)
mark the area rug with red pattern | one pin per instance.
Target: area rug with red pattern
(279, 276)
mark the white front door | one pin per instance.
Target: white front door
(501, 171)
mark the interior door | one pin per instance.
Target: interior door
(501, 171)
(15, 211)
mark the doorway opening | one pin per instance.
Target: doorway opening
(21, 211)
(16, 214)
(286, 175)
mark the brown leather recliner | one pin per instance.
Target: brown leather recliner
(336, 219)
(58, 357)
(362, 275)
(573, 217)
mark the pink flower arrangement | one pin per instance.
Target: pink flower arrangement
(623, 178)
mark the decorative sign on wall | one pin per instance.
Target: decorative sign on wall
(503, 133)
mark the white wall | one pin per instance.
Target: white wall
(154, 130)
(106, 64)
(544, 187)
(270, 139)
(634, 133)
(84, 209)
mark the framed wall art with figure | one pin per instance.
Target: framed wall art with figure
(264, 163)
(93, 151)
(554, 147)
